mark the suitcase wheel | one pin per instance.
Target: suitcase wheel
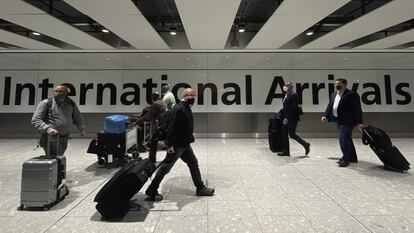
(101, 161)
(20, 208)
(135, 155)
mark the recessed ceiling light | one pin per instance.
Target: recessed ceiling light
(346, 59)
(310, 32)
(267, 59)
(227, 57)
(107, 59)
(173, 31)
(242, 28)
(187, 59)
(147, 57)
(36, 33)
(105, 30)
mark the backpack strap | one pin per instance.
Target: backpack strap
(50, 102)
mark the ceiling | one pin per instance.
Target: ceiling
(206, 24)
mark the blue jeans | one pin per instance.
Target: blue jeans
(346, 143)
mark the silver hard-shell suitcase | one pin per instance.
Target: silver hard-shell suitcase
(43, 181)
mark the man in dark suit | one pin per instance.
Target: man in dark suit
(344, 108)
(289, 115)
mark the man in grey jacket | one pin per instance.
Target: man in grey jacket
(56, 116)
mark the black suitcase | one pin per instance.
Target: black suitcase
(275, 135)
(113, 199)
(381, 144)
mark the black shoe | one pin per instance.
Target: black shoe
(352, 161)
(283, 154)
(343, 163)
(205, 191)
(307, 149)
(153, 195)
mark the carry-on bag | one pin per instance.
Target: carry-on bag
(381, 144)
(43, 180)
(113, 199)
(275, 135)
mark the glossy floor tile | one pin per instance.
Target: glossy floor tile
(256, 191)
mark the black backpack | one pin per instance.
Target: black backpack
(163, 123)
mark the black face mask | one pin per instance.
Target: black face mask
(338, 88)
(60, 97)
(190, 101)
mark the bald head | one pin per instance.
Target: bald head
(61, 89)
(189, 93)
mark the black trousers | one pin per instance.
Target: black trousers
(289, 130)
(187, 155)
(153, 146)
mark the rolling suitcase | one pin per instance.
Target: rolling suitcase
(381, 144)
(274, 135)
(43, 180)
(113, 199)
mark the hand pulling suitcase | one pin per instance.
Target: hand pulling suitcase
(381, 144)
(43, 180)
(113, 199)
(275, 136)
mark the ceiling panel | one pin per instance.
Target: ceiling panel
(290, 19)
(386, 16)
(28, 16)
(22, 41)
(390, 41)
(207, 23)
(124, 19)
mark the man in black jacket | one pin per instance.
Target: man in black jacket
(179, 138)
(344, 108)
(290, 117)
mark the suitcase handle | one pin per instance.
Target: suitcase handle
(49, 143)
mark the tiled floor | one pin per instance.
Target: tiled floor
(256, 191)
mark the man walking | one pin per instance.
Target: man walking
(179, 138)
(56, 116)
(344, 108)
(290, 118)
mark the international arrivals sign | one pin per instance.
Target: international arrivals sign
(128, 91)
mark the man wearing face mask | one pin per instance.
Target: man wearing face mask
(55, 116)
(344, 108)
(179, 138)
(290, 117)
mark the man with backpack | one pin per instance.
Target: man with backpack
(56, 116)
(153, 114)
(179, 138)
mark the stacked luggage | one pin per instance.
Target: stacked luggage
(119, 137)
(43, 180)
(113, 199)
(381, 144)
(275, 135)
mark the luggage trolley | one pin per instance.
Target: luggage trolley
(110, 146)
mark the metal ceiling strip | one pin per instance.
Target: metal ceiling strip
(290, 19)
(386, 16)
